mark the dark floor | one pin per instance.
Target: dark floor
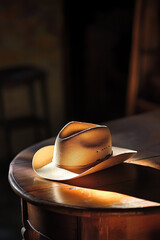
(10, 216)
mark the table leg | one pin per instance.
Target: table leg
(28, 233)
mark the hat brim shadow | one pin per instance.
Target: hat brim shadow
(126, 178)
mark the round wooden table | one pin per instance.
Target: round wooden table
(122, 202)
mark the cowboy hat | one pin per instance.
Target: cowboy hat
(80, 149)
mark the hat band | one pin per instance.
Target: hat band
(84, 166)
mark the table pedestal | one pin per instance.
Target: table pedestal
(41, 224)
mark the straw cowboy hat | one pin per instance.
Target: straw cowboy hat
(80, 149)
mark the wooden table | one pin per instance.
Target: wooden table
(122, 202)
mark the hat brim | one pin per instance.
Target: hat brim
(44, 166)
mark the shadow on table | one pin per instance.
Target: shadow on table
(126, 178)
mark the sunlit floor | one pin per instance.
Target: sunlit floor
(10, 216)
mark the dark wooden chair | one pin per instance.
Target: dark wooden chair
(143, 93)
(27, 77)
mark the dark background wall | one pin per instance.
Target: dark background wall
(84, 47)
(99, 41)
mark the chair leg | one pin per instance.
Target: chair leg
(45, 106)
(8, 144)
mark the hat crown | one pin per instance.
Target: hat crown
(82, 144)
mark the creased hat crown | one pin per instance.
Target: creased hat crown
(82, 144)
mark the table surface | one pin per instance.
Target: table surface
(131, 187)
